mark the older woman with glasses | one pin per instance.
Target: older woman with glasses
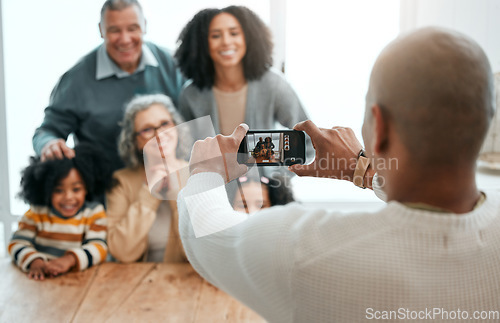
(140, 225)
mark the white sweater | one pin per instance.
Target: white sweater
(292, 264)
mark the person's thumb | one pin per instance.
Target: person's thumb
(240, 132)
(302, 170)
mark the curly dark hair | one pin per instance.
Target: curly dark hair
(193, 52)
(277, 185)
(40, 178)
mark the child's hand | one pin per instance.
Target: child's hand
(60, 265)
(37, 269)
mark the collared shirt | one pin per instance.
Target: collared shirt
(106, 67)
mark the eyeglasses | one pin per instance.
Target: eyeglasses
(148, 133)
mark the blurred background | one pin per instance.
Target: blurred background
(326, 49)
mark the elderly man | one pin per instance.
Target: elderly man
(431, 253)
(89, 98)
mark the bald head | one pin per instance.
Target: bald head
(435, 87)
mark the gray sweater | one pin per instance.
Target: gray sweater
(269, 99)
(91, 109)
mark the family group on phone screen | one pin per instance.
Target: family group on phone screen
(271, 148)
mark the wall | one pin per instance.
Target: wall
(479, 19)
(5, 217)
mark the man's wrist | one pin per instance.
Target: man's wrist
(361, 168)
(51, 142)
(369, 175)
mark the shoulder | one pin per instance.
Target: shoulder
(128, 181)
(127, 175)
(92, 208)
(271, 80)
(83, 72)
(93, 213)
(272, 75)
(85, 67)
(190, 89)
(37, 210)
(160, 52)
(192, 92)
(492, 203)
(318, 231)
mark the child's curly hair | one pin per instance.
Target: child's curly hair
(39, 178)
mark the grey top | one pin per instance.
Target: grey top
(270, 99)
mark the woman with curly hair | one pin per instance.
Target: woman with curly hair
(65, 228)
(143, 223)
(227, 55)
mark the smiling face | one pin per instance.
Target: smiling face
(69, 194)
(226, 41)
(122, 31)
(156, 117)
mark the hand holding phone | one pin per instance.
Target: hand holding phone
(336, 152)
(218, 154)
(272, 148)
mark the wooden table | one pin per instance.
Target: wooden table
(111, 292)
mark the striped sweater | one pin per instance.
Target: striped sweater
(43, 233)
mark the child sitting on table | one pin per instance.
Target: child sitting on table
(64, 229)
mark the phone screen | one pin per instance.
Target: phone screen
(272, 148)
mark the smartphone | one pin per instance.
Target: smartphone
(273, 148)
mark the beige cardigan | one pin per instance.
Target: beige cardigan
(131, 211)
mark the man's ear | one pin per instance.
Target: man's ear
(145, 26)
(100, 30)
(380, 140)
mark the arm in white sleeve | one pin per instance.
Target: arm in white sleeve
(250, 258)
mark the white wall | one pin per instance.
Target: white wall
(331, 47)
(5, 217)
(479, 19)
